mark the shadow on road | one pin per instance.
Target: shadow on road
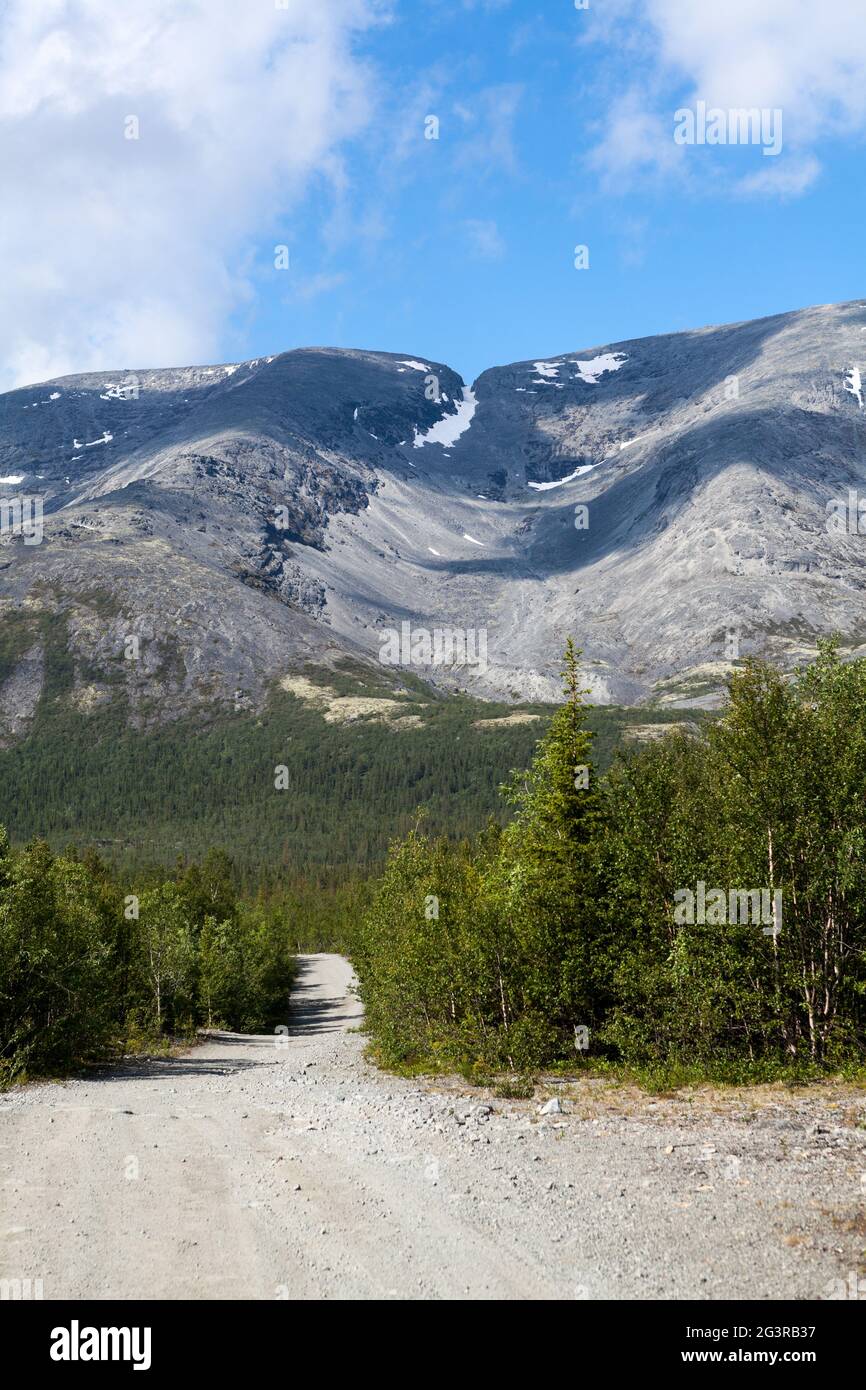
(313, 1011)
(317, 1014)
(162, 1068)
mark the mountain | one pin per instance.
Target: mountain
(212, 532)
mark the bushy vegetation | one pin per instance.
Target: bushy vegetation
(90, 968)
(695, 904)
(581, 931)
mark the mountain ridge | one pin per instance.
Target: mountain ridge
(244, 520)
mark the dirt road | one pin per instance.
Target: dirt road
(288, 1167)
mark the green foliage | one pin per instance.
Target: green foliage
(166, 957)
(561, 920)
(245, 970)
(488, 955)
(576, 915)
(771, 799)
(145, 789)
(84, 967)
(56, 962)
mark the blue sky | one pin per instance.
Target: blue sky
(262, 127)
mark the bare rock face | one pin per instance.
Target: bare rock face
(674, 503)
(19, 696)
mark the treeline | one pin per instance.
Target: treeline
(90, 969)
(703, 904)
(140, 788)
(209, 780)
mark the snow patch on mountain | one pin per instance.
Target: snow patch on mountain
(560, 482)
(448, 430)
(591, 370)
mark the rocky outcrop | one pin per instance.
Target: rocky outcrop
(667, 501)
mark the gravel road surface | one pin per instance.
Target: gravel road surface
(289, 1167)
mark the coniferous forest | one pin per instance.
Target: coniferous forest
(700, 905)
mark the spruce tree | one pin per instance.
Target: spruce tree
(557, 799)
(547, 881)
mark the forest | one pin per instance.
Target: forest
(143, 787)
(700, 904)
(566, 939)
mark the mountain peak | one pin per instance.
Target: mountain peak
(664, 499)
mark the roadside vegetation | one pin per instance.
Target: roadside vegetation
(90, 969)
(693, 910)
(699, 911)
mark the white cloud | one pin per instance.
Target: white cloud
(787, 180)
(322, 283)
(122, 253)
(485, 239)
(636, 139)
(807, 59)
(488, 119)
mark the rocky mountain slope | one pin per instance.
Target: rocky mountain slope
(209, 531)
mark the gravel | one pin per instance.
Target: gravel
(289, 1167)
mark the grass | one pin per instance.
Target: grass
(688, 1084)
